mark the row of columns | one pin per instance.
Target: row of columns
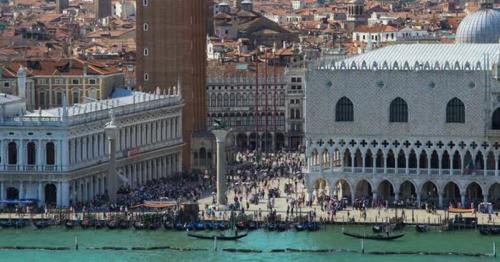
(22, 152)
(149, 133)
(36, 190)
(330, 161)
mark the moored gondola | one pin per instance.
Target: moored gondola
(312, 226)
(99, 224)
(421, 228)
(69, 224)
(167, 224)
(300, 226)
(6, 223)
(282, 226)
(374, 237)
(179, 226)
(87, 223)
(153, 225)
(489, 231)
(252, 225)
(271, 226)
(112, 224)
(200, 225)
(139, 225)
(44, 223)
(124, 224)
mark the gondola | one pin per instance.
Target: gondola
(252, 225)
(6, 223)
(112, 224)
(490, 231)
(20, 223)
(153, 226)
(87, 223)
(69, 224)
(189, 227)
(168, 224)
(219, 237)
(271, 227)
(41, 224)
(222, 225)
(124, 224)
(199, 225)
(379, 228)
(282, 226)
(300, 227)
(241, 225)
(312, 226)
(99, 224)
(421, 228)
(179, 226)
(139, 225)
(374, 237)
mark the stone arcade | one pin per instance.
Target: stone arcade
(417, 121)
(61, 155)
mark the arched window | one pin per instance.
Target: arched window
(31, 148)
(238, 100)
(226, 100)
(398, 111)
(12, 148)
(50, 153)
(219, 100)
(455, 111)
(231, 100)
(213, 100)
(495, 120)
(344, 110)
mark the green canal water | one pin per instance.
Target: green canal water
(329, 238)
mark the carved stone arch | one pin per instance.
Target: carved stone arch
(447, 65)
(457, 66)
(385, 66)
(363, 65)
(395, 65)
(427, 66)
(479, 66)
(406, 65)
(354, 66)
(437, 66)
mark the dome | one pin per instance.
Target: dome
(482, 26)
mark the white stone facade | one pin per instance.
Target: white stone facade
(374, 155)
(60, 155)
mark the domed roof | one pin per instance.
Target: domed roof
(482, 26)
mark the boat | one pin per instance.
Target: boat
(40, 224)
(139, 225)
(241, 225)
(222, 225)
(168, 224)
(282, 226)
(379, 228)
(20, 223)
(123, 224)
(199, 225)
(300, 226)
(179, 226)
(99, 224)
(459, 223)
(153, 226)
(490, 231)
(312, 226)
(112, 224)
(421, 228)
(252, 225)
(374, 237)
(211, 225)
(218, 236)
(6, 223)
(69, 224)
(87, 223)
(271, 226)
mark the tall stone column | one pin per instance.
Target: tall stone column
(220, 138)
(112, 133)
(65, 194)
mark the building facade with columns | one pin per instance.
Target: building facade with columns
(269, 118)
(418, 121)
(61, 155)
